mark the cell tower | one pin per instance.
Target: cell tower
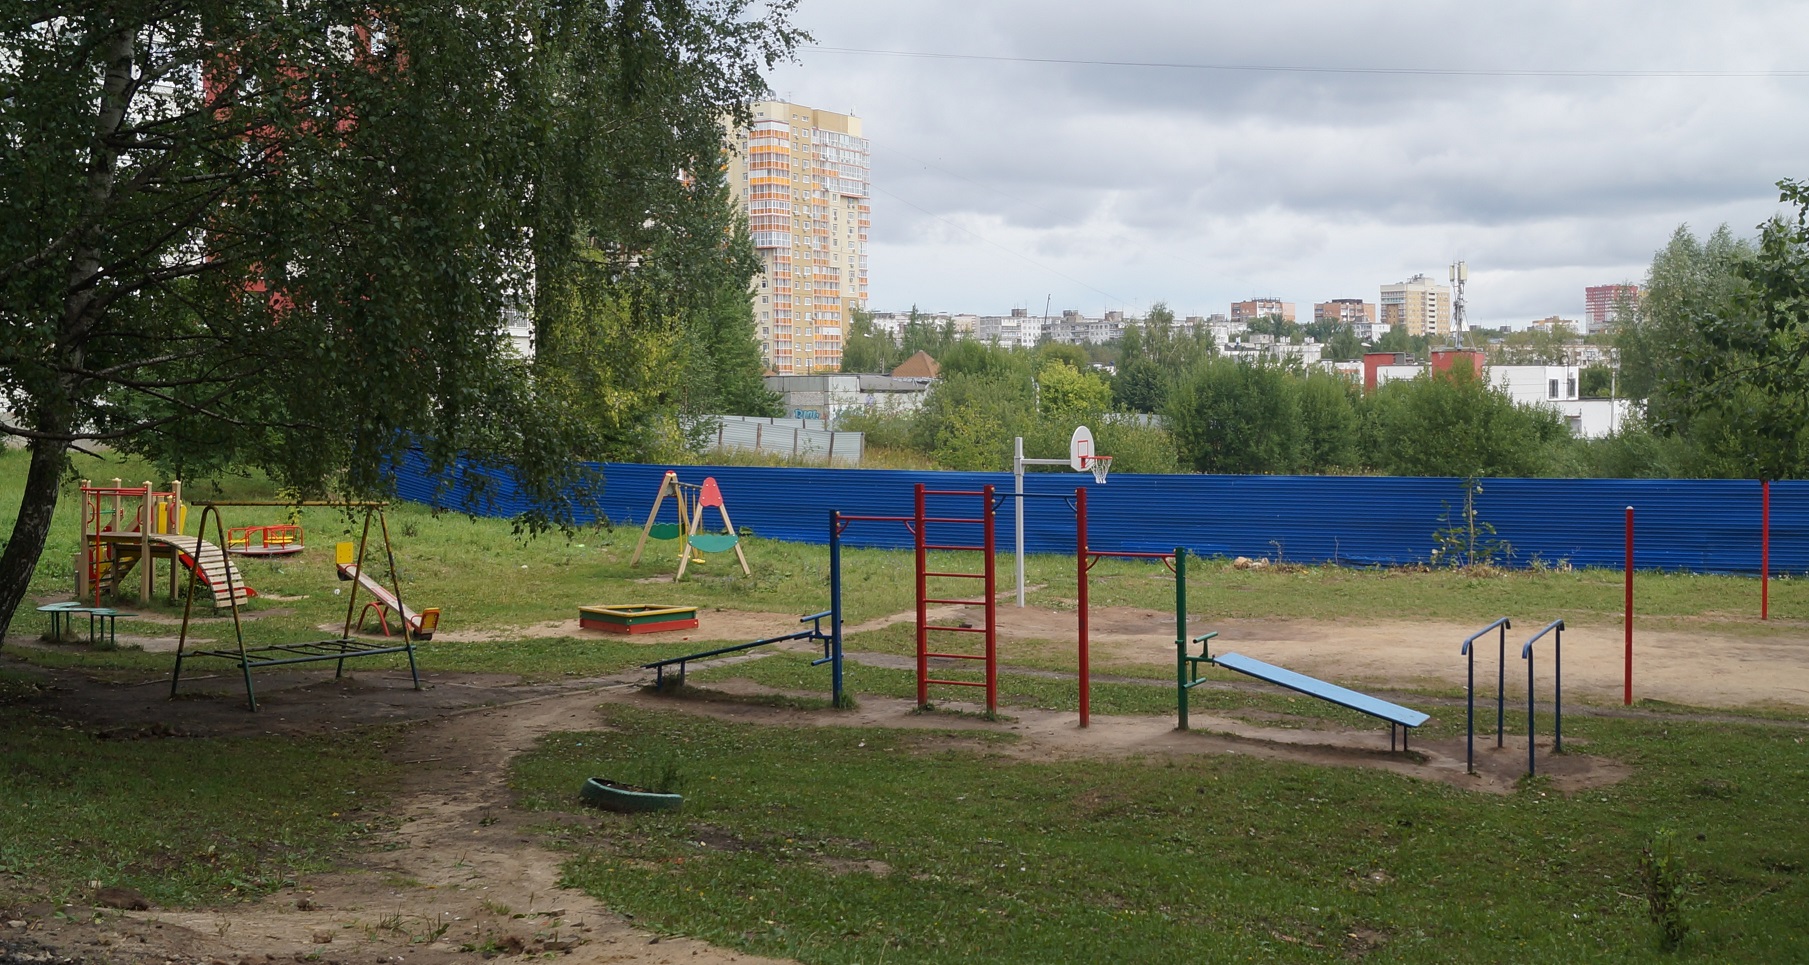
(1460, 273)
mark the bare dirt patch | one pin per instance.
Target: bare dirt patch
(1698, 667)
(712, 625)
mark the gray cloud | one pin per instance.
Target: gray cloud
(1000, 183)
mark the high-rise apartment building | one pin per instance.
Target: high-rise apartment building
(1602, 305)
(1355, 312)
(1255, 308)
(802, 177)
(1420, 304)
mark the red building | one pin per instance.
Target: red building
(1603, 304)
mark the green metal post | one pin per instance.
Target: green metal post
(1181, 634)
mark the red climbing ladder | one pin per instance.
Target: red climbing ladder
(961, 525)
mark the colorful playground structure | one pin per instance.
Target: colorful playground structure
(276, 539)
(635, 618)
(127, 526)
(339, 650)
(693, 540)
(383, 602)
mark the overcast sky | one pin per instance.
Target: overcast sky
(998, 183)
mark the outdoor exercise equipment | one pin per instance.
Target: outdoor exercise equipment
(339, 650)
(1556, 629)
(1400, 719)
(693, 540)
(919, 525)
(1081, 458)
(633, 618)
(382, 601)
(127, 526)
(1501, 626)
(832, 651)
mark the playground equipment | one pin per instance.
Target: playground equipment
(384, 602)
(637, 618)
(693, 541)
(1556, 629)
(339, 650)
(276, 539)
(919, 523)
(1401, 719)
(1081, 458)
(1501, 626)
(832, 650)
(127, 526)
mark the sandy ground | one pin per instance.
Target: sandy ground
(462, 854)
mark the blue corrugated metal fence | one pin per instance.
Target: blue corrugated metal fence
(1700, 525)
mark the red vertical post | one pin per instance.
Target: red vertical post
(1765, 549)
(992, 608)
(1080, 575)
(923, 609)
(1627, 691)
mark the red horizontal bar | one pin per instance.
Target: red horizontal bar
(964, 576)
(958, 656)
(975, 549)
(954, 492)
(934, 626)
(957, 683)
(956, 602)
(1132, 556)
(883, 519)
(951, 519)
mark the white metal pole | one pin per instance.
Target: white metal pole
(1017, 472)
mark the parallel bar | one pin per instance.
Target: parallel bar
(954, 492)
(958, 602)
(960, 656)
(877, 519)
(934, 626)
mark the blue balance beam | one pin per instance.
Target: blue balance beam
(1313, 687)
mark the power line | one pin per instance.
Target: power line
(1301, 69)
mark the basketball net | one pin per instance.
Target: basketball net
(1100, 466)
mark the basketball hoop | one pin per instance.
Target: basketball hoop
(1099, 465)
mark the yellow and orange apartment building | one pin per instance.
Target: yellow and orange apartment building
(802, 177)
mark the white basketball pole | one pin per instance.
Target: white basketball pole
(1018, 462)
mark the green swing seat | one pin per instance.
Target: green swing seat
(714, 542)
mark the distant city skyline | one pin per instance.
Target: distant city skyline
(1045, 153)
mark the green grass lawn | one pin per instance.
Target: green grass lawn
(987, 857)
(859, 845)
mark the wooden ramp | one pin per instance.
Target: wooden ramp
(198, 555)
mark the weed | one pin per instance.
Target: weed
(1663, 881)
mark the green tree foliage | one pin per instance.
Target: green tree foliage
(1747, 399)
(1596, 382)
(1396, 339)
(1453, 423)
(867, 349)
(284, 235)
(1545, 345)
(1153, 356)
(1662, 344)
(971, 417)
(1236, 417)
(1065, 391)
(1328, 423)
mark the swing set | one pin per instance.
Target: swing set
(336, 651)
(693, 540)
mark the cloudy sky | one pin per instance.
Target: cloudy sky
(1029, 149)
